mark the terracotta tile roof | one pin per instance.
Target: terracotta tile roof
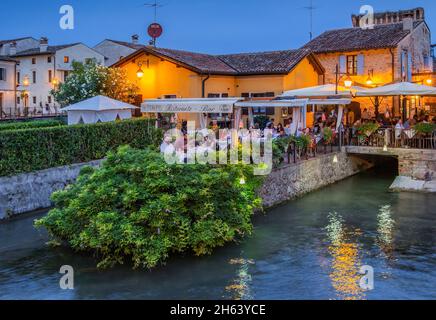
(265, 62)
(205, 63)
(274, 62)
(354, 39)
(37, 51)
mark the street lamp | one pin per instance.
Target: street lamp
(429, 81)
(348, 82)
(369, 80)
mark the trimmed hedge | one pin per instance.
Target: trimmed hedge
(30, 124)
(42, 148)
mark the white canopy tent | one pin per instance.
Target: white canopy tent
(98, 109)
(399, 89)
(299, 107)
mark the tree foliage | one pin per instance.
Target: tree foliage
(90, 79)
(138, 208)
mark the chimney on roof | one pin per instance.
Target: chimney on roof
(135, 39)
(13, 48)
(43, 44)
(408, 22)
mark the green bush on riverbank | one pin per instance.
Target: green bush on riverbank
(136, 208)
(41, 148)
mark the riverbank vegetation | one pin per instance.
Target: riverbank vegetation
(138, 209)
(47, 147)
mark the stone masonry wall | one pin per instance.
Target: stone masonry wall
(293, 181)
(31, 191)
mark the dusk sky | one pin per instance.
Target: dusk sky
(211, 26)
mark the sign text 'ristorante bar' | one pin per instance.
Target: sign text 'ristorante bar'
(188, 106)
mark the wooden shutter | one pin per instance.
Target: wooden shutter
(409, 67)
(3, 74)
(360, 64)
(342, 64)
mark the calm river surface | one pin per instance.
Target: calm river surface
(311, 248)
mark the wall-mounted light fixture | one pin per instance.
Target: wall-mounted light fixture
(26, 81)
(140, 72)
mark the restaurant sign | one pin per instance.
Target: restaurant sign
(187, 108)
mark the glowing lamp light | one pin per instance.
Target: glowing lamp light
(242, 181)
(429, 82)
(369, 81)
(54, 81)
(26, 81)
(140, 73)
(335, 159)
(385, 148)
(348, 82)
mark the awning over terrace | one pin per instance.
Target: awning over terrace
(326, 90)
(205, 105)
(299, 110)
(399, 89)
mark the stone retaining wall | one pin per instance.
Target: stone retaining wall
(293, 181)
(31, 191)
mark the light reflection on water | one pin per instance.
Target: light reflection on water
(345, 262)
(311, 248)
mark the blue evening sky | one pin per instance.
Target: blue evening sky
(212, 26)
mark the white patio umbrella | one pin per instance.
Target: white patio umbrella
(399, 89)
(98, 109)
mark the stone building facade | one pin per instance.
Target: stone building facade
(390, 52)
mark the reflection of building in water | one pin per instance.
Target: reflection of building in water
(240, 288)
(345, 276)
(385, 230)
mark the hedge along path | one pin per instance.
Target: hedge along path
(36, 149)
(30, 124)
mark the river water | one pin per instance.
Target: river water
(311, 248)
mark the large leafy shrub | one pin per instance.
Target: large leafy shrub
(136, 208)
(90, 79)
(41, 148)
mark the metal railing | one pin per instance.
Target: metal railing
(29, 113)
(390, 137)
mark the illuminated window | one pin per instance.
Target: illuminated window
(66, 59)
